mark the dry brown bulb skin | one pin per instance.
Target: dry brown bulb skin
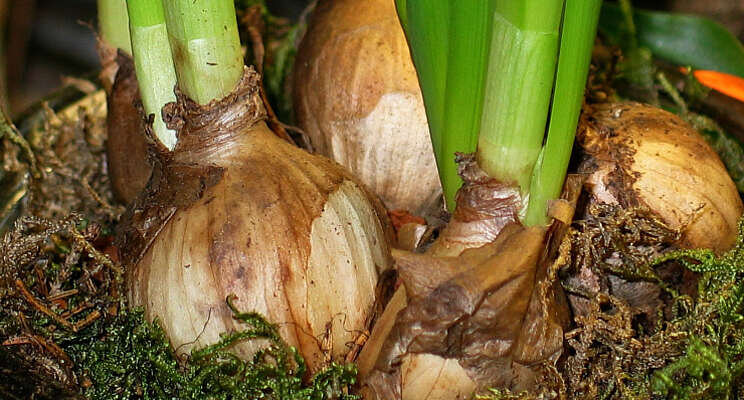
(484, 206)
(107, 56)
(126, 145)
(481, 308)
(642, 156)
(356, 95)
(236, 210)
(466, 323)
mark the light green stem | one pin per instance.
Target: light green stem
(577, 40)
(205, 46)
(113, 24)
(519, 83)
(153, 63)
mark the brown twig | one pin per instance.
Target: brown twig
(100, 258)
(89, 319)
(77, 310)
(17, 340)
(259, 53)
(43, 308)
(41, 280)
(62, 295)
(272, 120)
(49, 346)
(55, 351)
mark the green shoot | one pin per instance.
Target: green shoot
(470, 39)
(449, 44)
(206, 47)
(488, 71)
(426, 23)
(577, 41)
(518, 87)
(113, 25)
(400, 6)
(153, 63)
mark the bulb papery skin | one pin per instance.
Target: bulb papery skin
(422, 376)
(291, 234)
(512, 330)
(357, 97)
(126, 146)
(432, 377)
(484, 206)
(642, 156)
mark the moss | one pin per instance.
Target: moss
(504, 394)
(133, 360)
(713, 362)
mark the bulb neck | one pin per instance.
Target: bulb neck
(218, 126)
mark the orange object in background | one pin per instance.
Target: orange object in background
(730, 85)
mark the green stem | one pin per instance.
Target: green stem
(153, 62)
(426, 23)
(113, 24)
(206, 47)
(519, 82)
(467, 61)
(577, 40)
(401, 8)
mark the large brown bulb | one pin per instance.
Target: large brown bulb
(642, 156)
(357, 97)
(236, 210)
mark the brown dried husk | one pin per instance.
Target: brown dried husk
(236, 210)
(642, 156)
(356, 95)
(474, 316)
(484, 206)
(126, 148)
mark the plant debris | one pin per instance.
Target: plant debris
(651, 321)
(58, 167)
(274, 43)
(680, 337)
(56, 286)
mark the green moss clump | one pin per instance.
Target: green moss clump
(134, 360)
(713, 363)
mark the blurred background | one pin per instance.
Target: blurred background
(49, 40)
